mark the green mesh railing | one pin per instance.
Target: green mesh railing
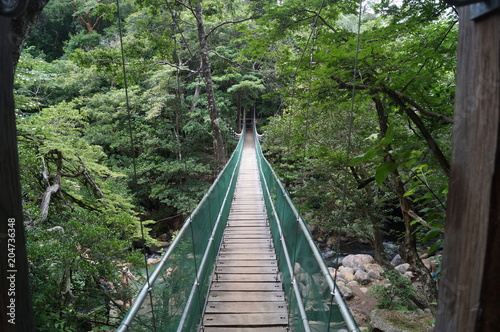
(314, 301)
(173, 299)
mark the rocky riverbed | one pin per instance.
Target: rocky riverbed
(357, 275)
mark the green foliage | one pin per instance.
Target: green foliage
(292, 64)
(397, 295)
(87, 229)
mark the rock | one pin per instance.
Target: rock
(328, 254)
(153, 260)
(409, 275)
(362, 277)
(352, 283)
(343, 269)
(402, 268)
(346, 291)
(331, 241)
(346, 276)
(358, 262)
(364, 290)
(390, 249)
(344, 273)
(397, 260)
(375, 271)
(400, 321)
(375, 275)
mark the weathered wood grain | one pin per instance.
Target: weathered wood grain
(246, 292)
(469, 296)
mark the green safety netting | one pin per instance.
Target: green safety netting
(314, 302)
(180, 282)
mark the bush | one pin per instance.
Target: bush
(396, 296)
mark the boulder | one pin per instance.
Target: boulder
(353, 283)
(357, 262)
(329, 254)
(397, 260)
(343, 269)
(374, 271)
(402, 268)
(362, 277)
(346, 276)
(400, 321)
(346, 291)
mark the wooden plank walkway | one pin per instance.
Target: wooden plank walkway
(246, 292)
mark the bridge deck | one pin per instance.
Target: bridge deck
(246, 292)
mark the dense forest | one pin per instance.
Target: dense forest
(127, 110)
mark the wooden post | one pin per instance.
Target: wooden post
(469, 293)
(15, 298)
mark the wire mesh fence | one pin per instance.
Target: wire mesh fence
(314, 302)
(173, 299)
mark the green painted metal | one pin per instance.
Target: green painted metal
(179, 284)
(307, 282)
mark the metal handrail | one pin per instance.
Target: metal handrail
(296, 290)
(344, 310)
(212, 236)
(134, 309)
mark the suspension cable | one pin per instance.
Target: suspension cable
(294, 76)
(349, 135)
(132, 146)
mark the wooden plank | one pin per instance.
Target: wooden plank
(261, 319)
(231, 241)
(245, 307)
(246, 247)
(243, 329)
(249, 230)
(246, 292)
(247, 286)
(246, 269)
(262, 250)
(247, 236)
(247, 277)
(249, 257)
(247, 263)
(258, 226)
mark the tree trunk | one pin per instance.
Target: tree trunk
(21, 25)
(408, 250)
(443, 162)
(16, 312)
(205, 69)
(378, 239)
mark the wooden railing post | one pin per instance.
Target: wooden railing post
(16, 313)
(469, 296)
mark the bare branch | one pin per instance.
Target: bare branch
(229, 22)
(415, 216)
(422, 110)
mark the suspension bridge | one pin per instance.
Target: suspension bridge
(243, 261)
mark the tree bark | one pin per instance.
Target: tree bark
(16, 313)
(21, 25)
(445, 165)
(408, 250)
(468, 290)
(205, 69)
(378, 239)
